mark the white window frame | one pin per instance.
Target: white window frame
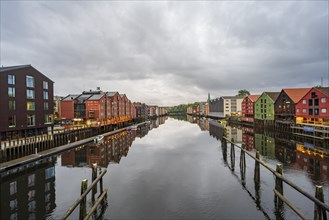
(30, 81)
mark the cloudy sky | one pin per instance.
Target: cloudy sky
(168, 53)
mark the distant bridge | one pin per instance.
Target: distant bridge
(176, 113)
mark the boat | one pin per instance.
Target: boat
(133, 127)
(99, 139)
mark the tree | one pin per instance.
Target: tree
(243, 93)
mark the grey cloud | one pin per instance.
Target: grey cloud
(187, 48)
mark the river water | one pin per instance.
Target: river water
(170, 169)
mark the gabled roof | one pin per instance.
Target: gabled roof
(296, 94)
(324, 90)
(273, 95)
(70, 97)
(96, 97)
(111, 93)
(8, 68)
(253, 97)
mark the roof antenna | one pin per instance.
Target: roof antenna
(321, 81)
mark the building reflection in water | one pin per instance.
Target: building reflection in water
(29, 193)
(309, 155)
(111, 150)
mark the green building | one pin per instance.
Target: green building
(264, 106)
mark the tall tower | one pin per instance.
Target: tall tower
(208, 97)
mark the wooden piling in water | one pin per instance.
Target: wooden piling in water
(224, 150)
(243, 165)
(94, 176)
(319, 213)
(257, 170)
(101, 182)
(278, 184)
(83, 203)
(242, 158)
(232, 155)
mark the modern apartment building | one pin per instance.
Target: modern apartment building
(26, 100)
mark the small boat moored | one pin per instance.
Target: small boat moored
(99, 139)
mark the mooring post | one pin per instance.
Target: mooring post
(94, 176)
(224, 150)
(278, 183)
(319, 212)
(83, 203)
(257, 170)
(232, 154)
(243, 165)
(100, 182)
(242, 158)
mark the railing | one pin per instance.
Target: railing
(320, 208)
(82, 200)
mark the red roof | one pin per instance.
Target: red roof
(324, 90)
(296, 94)
(253, 97)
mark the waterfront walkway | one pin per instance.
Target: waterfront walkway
(53, 151)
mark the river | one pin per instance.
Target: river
(170, 169)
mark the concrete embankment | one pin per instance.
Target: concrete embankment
(53, 151)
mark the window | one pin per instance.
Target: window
(310, 111)
(304, 101)
(30, 106)
(30, 120)
(316, 111)
(12, 105)
(310, 102)
(45, 85)
(13, 188)
(49, 173)
(304, 110)
(30, 93)
(31, 180)
(323, 110)
(91, 114)
(11, 79)
(30, 81)
(323, 100)
(45, 106)
(45, 95)
(12, 121)
(297, 110)
(11, 91)
(316, 102)
(48, 119)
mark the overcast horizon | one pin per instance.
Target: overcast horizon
(169, 53)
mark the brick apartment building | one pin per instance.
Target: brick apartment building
(26, 100)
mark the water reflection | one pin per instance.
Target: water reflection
(110, 151)
(29, 193)
(308, 155)
(303, 159)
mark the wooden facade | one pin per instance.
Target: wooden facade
(285, 111)
(313, 108)
(264, 106)
(248, 108)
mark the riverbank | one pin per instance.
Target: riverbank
(53, 151)
(314, 131)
